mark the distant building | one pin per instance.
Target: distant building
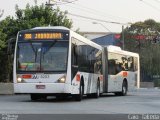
(104, 38)
(109, 39)
(93, 35)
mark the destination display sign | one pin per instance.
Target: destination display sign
(44, 36)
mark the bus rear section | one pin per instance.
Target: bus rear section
(121, 70)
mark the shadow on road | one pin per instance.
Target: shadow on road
(71, 99)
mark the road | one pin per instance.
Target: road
(138, 102)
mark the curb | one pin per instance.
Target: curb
(6, 88)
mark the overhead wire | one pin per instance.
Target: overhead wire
(93, 11)
(97, 11)
(154, 7)
(158, 1)
(63, 2)
(90, 18)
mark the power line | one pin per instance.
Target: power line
(122, 24)
(1, 13)
(150, 5)
(59, 2)
(102, 25)
(65, 2)
(157, 1)
(93, 11)
(90, 18)
(97, 11)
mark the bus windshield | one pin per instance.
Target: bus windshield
(42, 56)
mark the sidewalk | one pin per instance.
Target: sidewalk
(6, 88)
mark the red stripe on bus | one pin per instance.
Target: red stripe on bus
(27, 76)
(125, 74)
(78, 77)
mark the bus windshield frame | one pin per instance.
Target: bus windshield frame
(42, 56)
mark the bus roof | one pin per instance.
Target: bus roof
(116, 49)
(52, 27)
(47, 28)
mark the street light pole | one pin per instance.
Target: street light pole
(49, 3)
(101, 25)
(123, 37)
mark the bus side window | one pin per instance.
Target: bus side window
(74, 60)
(135, 64)
(111, 67)
(130, 64)
(74, 55)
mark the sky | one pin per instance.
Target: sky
(120, 11)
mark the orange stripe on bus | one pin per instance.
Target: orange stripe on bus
(27, 76)
(125, 74)
(78, 77)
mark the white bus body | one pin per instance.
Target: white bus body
(57, 61)
(122, 67)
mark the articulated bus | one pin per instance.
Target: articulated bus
(57, 61)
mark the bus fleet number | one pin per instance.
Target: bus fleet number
(44, 76)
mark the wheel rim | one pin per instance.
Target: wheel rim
(124, 89)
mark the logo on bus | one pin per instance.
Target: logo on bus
(35, 77)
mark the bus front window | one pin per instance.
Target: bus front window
(42, 56)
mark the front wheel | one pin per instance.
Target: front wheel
(79, 96)
(37, 97)
(34, 97)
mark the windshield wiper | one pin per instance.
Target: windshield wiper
(50, 47)
(34, 50)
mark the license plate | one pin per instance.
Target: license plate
(40, 86)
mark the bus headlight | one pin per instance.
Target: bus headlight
(62, 79)
(19, 79)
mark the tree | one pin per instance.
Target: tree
(31, 16)
(140, 38)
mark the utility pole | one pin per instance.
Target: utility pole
(123, 36)
(101, 25)
(49, 3)
(1, 13)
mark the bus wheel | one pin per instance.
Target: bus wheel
(61, 97)
(97, 94)
(124, 88)
(34, 97)
(79, 96)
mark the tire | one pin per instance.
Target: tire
(79, 96)
(97, 94)
(34, 97)
(124, 88)
(61, 97)
(117, 93)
